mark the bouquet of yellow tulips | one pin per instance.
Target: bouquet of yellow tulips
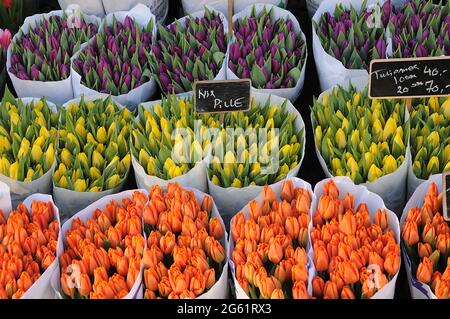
(28, 132)
(363, 139)
(165, 146)
(93, 157)
(430, 140)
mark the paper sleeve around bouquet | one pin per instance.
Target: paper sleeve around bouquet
(142, 93)
(220, 289)
(189, 6)
(289, 93)
(418, 289)
(41, 288)
(20, 190)
(277, 189)
(71, 201)
(240, 5)
(391, 187)
(195, 178)
(373, 202)
(93, 7)
(84, 215)
(58, 92)
(229, 200)
(330, 70)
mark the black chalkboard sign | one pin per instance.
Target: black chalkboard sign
(409, 78)
(446, 195)
(222, 96)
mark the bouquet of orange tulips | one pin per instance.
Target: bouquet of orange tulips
(185, 256)
(29, 237)
(270, 239)
(104, 244)
(426, 239)
(356, 249)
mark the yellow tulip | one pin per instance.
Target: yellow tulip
(5, 145)
(336, 164)
(433, 165)
(4, 166)
(389, 164)
(215, 180)
(113, 181)
(14, 170)
(66, 157)
(318, 134)
(39, 141)
(36, 153)
(97, 159)
(94, 173)
(389, 128)
(236, 183)
(374, 173)
(340, 139)
(143, 157)
(229, 158)
(79, 185)
(446, 108)
(44, 132)
(433, 140)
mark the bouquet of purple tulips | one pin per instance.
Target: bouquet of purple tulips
(268, 49)
(190, 49)
(44, 52)
(115, 62)
(354, 37)
(420, 29)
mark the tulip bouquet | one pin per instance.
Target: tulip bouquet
(270, 48)
(192, 48)
(270, 246)
(426, 238)
(430, 137)
(115, 61)
(103, 248)
(154, 151)
(28, 132)
(239, 170)
(363, 139)
(29, 242)
(353, 37)
(93, 151)
(356, 252)
(420, 29)
(185, 256)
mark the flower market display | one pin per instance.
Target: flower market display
(430, 139)
(420, 29)
(270, 50)
(185, 255)
(93, 154)
(361, 138)
(29, 240)
(356, 253)
(271, 241)
(28, 132)
(426, 239)
(40, 54)
(190, 49)
(104, 246)
(115, 61)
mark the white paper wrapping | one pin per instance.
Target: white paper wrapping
(230, 200)
(373, 202)
(143, 16)
(240, 5)
(41, 289)
(94, 7)
(222, 74)
(330, 70)
(289, 93)
(418, 289)
(70, 201)
(56, 91)
(191, 6)
(277, 187)
(391, 187)
(20, 190)
(220, 289)
(83, 216)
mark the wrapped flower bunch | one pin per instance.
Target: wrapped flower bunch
(185, 253)
(270, 246)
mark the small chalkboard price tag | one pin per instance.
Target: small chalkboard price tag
(409, 78)
(222, 96)
(446, 195)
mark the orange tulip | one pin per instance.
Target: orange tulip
(197, 284)
(84, 287)
(300, 256)
(150, 214)
(263, 250)
(347, 293)
(435, 279)
(425, 270)
(375, 259)
(275, 253)
(299, 273)
(303, 203)
(428, 234)
(331, 189)
(268, 194)
(287, 191)
(348, 202)
(104, 222)
(254, 209)
(237, 226)
(292, 227)
(268, 285)
(177, 280)
(100, 274)
(348, 224)
(299, 290)
(277, 294)
(199, 261)
(217, 252)
(151, 279)
(207, 204)
(215, 228)
(357, 258)
(318, 286)
(392, 263)
(410, 233)
(443, 243)
(381, 219)
(114, 237)
(330, 290)
(181, 256)
(349, 272)
(321, 259)
(442, 290)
